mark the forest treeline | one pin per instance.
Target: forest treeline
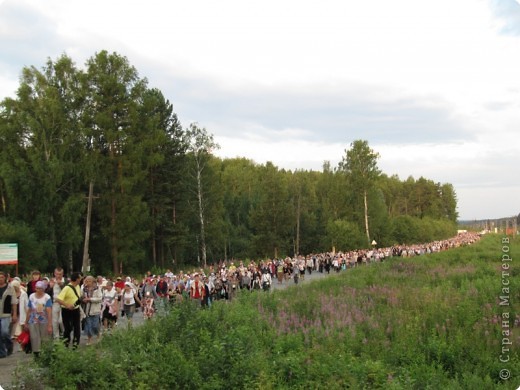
(94, 155)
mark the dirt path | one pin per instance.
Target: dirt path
(21, 361)
(8, 366)
(288, 283)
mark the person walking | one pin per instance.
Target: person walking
(92, 297)
(56, 284)
(162, 293)
(21, 295)
(8, 315)
(149, 297)
(129, 298)
(197, 289)
(110, 308)
(39, 316)
(69, 299)
(31, 285)
(266, 281)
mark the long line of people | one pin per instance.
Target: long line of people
(45, 308)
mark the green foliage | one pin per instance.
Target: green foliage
(28, 246)
(161, 198)
(419, 198)
(270, 214)
(360, 166)
(425, 322)
(360, 163)
(345, 235)
(408, 230)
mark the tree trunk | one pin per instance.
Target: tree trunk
(225, 250)
(298, 217)
(154, 241)
(3, 201)
(201, 216)
(71, 262)
(366, 216)
(86, 257)
(154, 222)
(174, 219)
(54, 239)
(160, 253)
(114, 252)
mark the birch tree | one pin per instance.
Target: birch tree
(200, 146)
(360, 165)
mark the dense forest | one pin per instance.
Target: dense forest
(96, 169)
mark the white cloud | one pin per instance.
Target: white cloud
(288, 154)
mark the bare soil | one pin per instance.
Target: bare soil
(18, 361)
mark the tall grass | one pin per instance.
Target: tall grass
(433, 321)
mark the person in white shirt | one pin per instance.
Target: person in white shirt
(110, 307)
(56, 284)
(23, 298)
(129, 299)
(266, 281)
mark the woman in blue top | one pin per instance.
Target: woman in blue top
(39, 316)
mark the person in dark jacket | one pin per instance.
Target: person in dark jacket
(161, 288)
(36, 276)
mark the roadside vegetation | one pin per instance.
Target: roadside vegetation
(433, 321)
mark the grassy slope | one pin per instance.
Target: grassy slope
(426, 322)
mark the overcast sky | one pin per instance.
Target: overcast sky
(433, 86)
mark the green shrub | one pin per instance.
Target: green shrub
(432, 321)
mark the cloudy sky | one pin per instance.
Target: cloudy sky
(434, 86)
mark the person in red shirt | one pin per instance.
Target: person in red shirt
(197, 289)
(119, 284)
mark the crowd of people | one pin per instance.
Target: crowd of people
(43, 308)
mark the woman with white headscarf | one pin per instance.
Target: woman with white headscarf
(22, 296)
(39, 316)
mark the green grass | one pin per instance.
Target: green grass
(427, 322)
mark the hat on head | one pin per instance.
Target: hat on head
(41, 284)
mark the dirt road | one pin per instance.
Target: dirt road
(19, 361)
